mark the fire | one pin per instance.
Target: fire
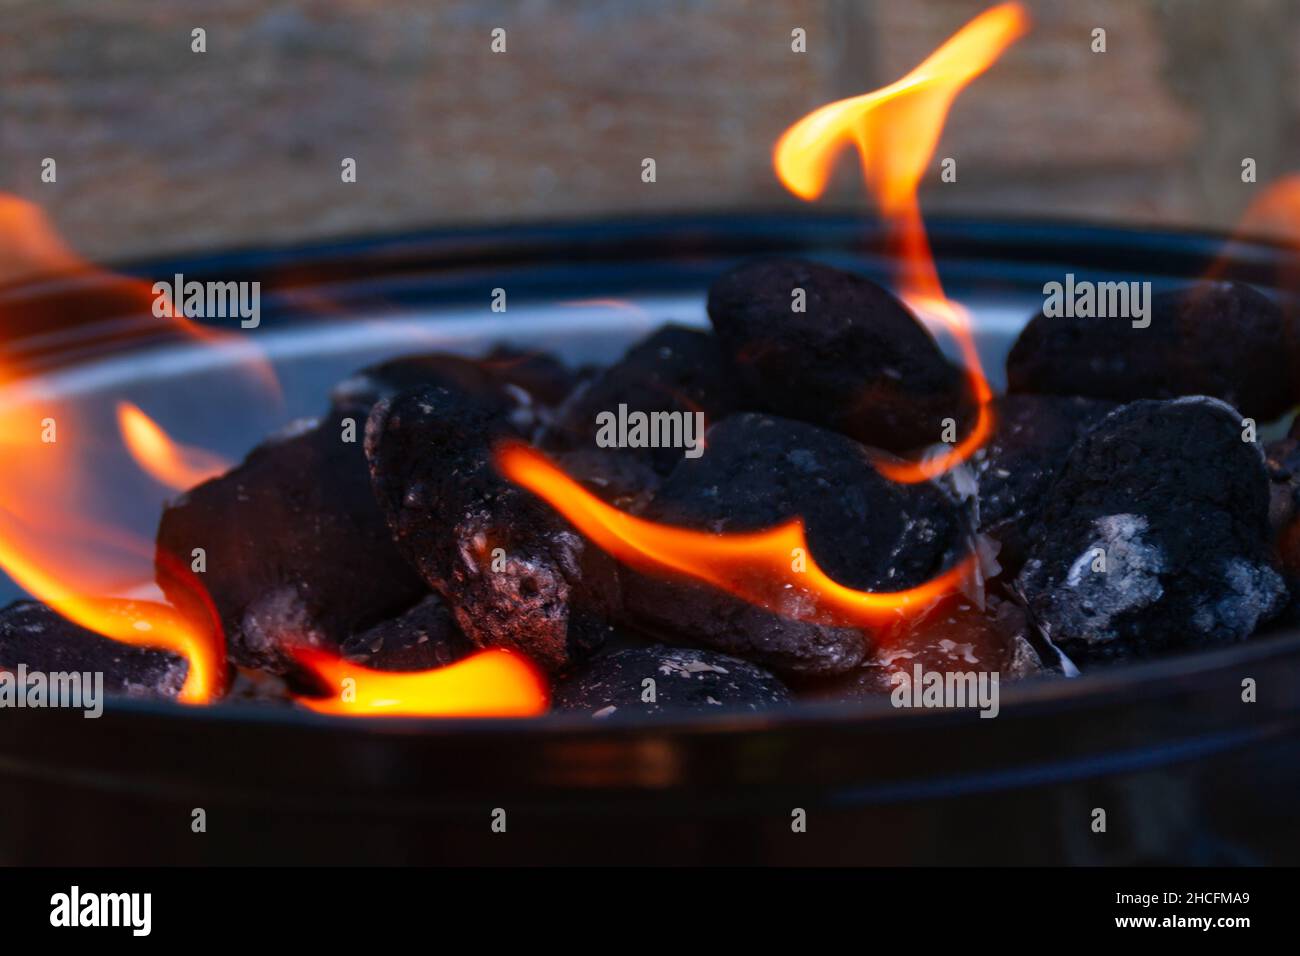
(1275, 215)
(54, 547)
(490, 684)
(895, 130)
(756, 567)
(174, 465)
(54, 542)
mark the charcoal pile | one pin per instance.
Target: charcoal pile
(1120, 509)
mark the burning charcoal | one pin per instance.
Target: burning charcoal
(424, 638)
(856, 361)
(1032, 436)
(1220, 339)
(1155, 536)
(33, 635)
(677, 371)
(515, 573)
(660, 679)
(954, 636)
(863, 531)
(511, 383)
(296, 549)
(625, 480)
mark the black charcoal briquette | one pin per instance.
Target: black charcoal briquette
(33, 635)
(514, 572)
(295, 550)
(1222, 339)
(666, 680)
(864, 531)
(853, 359)
(1155, 536)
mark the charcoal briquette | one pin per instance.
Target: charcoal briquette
(855, 360)
(514, 572)
(294, 547)
(1222, 339)
(32, 634)
(953, 636)
(617, 476)
(864, 531)
(1032, 436)
(424, 637)
(675, 370)
(666, 680)
(521, 385)
(1155, 536)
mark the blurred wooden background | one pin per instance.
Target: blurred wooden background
(161, 149)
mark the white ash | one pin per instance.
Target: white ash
(1257, 593)
(1131, 578)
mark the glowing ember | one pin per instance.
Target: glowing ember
(174, 465)
(489, 684)
(895, 130)
(758, 567)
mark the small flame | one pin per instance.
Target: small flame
(166, 461)
(895, 130)
(757, 567)
(1273, 215)
(492, 683)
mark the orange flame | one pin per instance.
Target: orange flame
(53, 547)
(1273, 215)
(757, 567)
(492, 683)
(52, 542)
(895, 130)
(167, 462)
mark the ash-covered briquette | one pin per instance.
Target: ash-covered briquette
(675, 370)
(423, 638)
(524, 385)
(1222, 339)
(32, 634)
(662, 679)
(514, 572)
(855, 360)
(954, 636)
(1032, 436)
(295, 551)
(1155, 536)
(864, 531)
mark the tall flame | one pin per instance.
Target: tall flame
(490, 684)
(895, 130)
(168, 462)
(53, 541)
(756, 567)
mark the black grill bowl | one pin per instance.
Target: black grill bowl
(1185, 770)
